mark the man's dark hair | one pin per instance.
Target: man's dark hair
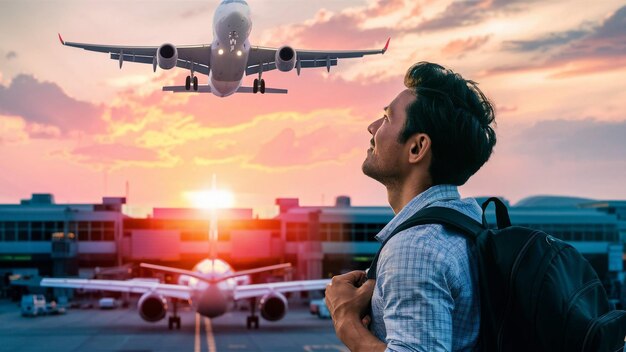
(456, 116)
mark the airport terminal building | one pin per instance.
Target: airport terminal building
(39, 238)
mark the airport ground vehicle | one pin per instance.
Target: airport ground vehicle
(107, 303)
(33, 305)
(318, 307)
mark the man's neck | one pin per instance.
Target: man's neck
(400, 195)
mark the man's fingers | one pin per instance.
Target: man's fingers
(353, 277)
(366, 321)
(368, 285)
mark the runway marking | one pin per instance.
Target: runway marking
(237, 346)
(196, 342)
(210, 339)
(340, 348)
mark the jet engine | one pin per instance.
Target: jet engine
(285, 58)
(152, 307)
(167, 56)
(273, 306)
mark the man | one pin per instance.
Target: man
(432, 137)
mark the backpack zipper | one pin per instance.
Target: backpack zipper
(581, 291)
(572, 302)
(509, 301)
(596, 323)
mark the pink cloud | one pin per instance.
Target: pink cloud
(114, 155)
(463, 13)
(342, 30)
(580, 52)
(289, 150)
(457, 48)
(45, 104)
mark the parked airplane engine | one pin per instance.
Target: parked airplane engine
(152, 307)
(273, 306)
(285, 58)
(167, 56)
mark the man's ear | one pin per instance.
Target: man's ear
(420, 145)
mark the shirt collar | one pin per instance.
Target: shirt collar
(433, 194)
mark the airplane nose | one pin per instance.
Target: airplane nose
(224, 88)
(235, 25)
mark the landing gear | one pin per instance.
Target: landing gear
(191, 80)
(174, 320)
(258, 86)
(252, 319)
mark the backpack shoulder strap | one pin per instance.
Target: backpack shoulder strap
(469, 227)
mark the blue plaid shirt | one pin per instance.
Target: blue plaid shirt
(426, 295)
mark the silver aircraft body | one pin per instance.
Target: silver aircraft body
(210, 287)
(228, 58)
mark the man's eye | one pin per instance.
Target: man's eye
(386, 118)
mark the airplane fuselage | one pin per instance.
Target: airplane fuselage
(230, 48)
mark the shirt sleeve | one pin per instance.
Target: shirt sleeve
(413, 274)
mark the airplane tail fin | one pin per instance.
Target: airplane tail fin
(213, 234)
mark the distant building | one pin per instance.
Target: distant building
(52, 239)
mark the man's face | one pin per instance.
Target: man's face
(387, 158)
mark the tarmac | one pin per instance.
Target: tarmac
(122, 330)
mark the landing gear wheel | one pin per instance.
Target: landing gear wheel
(174, 319)
(188, 83)
(195, 83)
(173, 322)
(255, 86)
(262, 88)
(252, 322)
(253, 319)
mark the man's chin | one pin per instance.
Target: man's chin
(368, 168)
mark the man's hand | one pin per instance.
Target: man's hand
(348, 299)
(348, 296)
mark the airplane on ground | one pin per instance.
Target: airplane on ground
(228, 57)
(211, 287)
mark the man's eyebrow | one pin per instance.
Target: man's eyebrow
(387, 109)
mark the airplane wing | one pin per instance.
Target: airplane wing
(257, 290)
(132, 286)
(198, 55)
(263, 58)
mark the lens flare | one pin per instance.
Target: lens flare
(211, 199)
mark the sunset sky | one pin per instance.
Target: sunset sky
(75, 125)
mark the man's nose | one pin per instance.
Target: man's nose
(373, 127)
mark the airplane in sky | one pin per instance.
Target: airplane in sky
(228, 57)
(211, 287)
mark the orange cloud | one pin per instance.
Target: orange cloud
(12, 130)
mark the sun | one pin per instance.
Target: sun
(211, 199)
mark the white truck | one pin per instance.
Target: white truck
(33, 305)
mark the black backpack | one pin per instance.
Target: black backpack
(537, 293)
